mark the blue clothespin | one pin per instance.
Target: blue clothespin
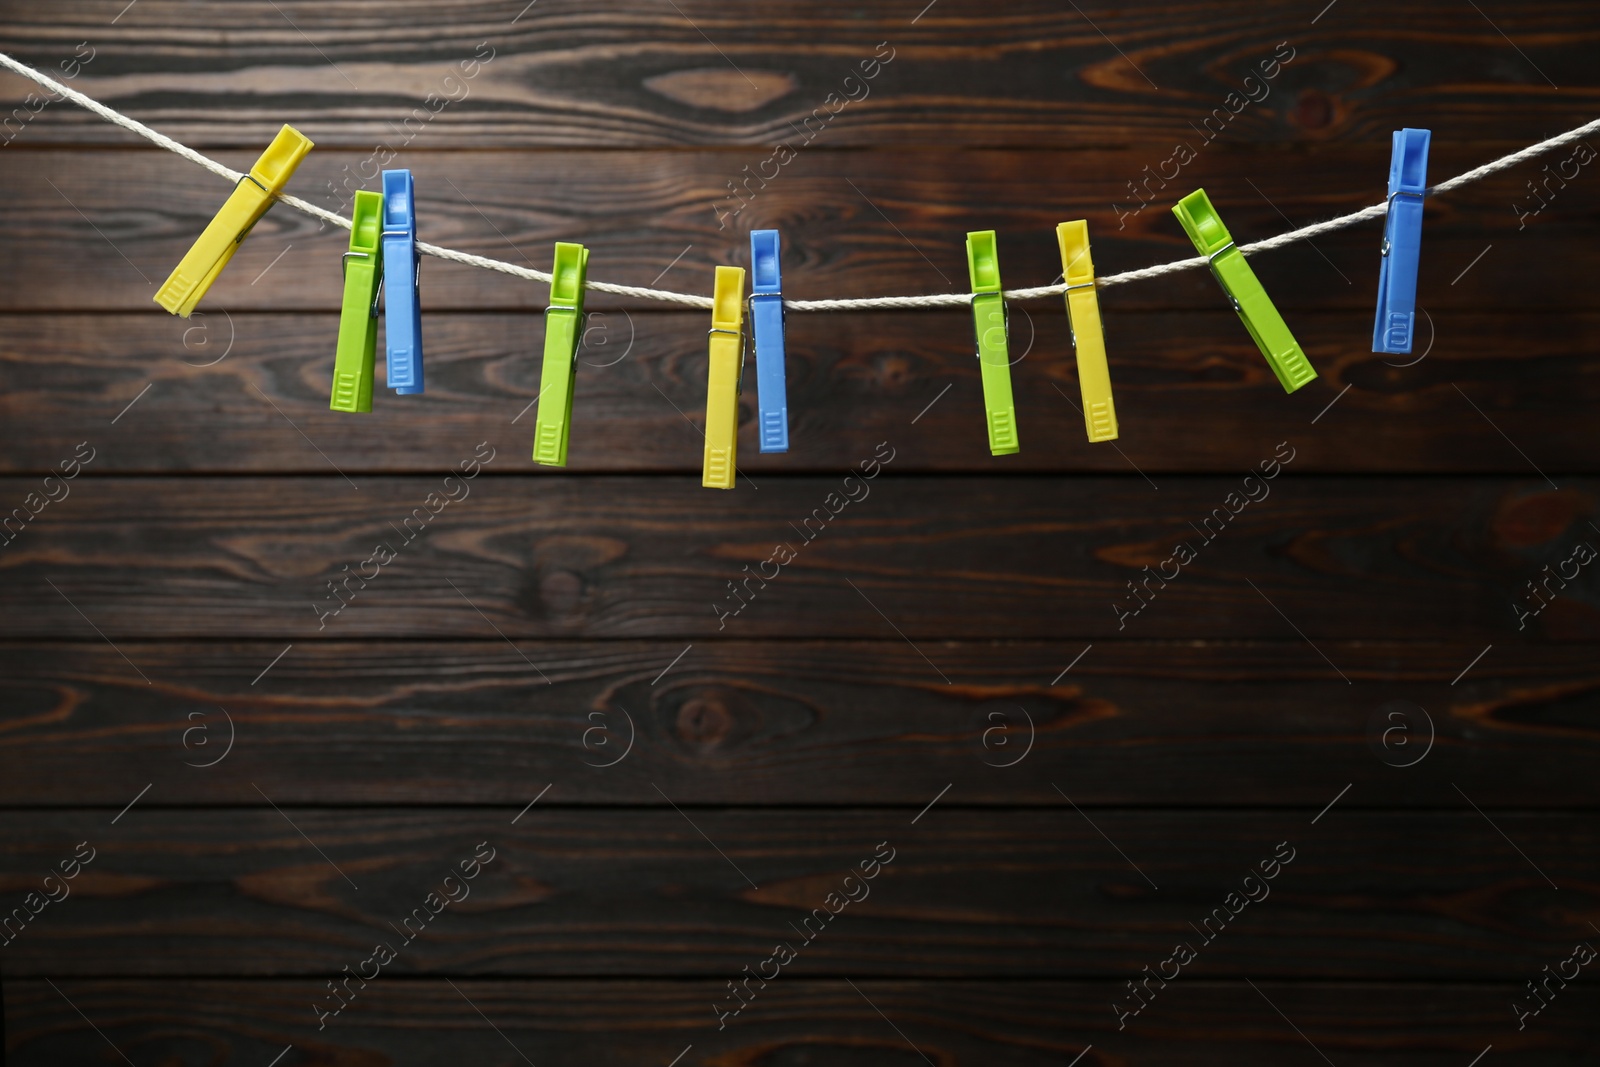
(403, 311)
(1402, 243)
(766, 321)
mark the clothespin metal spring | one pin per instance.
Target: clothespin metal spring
(344, 271)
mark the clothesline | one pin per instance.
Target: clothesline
(1282, 240)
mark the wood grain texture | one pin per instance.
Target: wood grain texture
(936, 559)
(1199, 404)
(964, 614)
(423, 1023)
(855, 224)
(640, 73)
(796, 723)
(640, 892)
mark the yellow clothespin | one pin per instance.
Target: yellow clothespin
(722, 379)
(1083, 313)
(215, 246)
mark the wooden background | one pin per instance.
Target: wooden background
(164, 614)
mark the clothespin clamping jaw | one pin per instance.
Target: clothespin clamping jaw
(358, 314)
(722, 379)
(766, 324)
(1402, 243)
(1083, 312)
(215, 246)
(1271, 334)
(563, 331)
(402, 268)
(994, 357)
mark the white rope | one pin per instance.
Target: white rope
(878, 303)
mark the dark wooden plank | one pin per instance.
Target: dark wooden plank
(1396, 581)
(796, 723)
(567, 73)
(640, 892)
(1201, 404)
(106, 245)
(557, 555)
(803, 1020)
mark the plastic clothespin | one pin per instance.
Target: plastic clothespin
(994, 356)
(563, 330)
(222, 236)
(358, 314)
(766, 324)
(1250, 300)
(1402, 242)
(1083, 313)
(402, 324)
(722, 379)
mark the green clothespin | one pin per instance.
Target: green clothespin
(994, 357)
(1250, 300)
(358, 315)
(563, 329)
